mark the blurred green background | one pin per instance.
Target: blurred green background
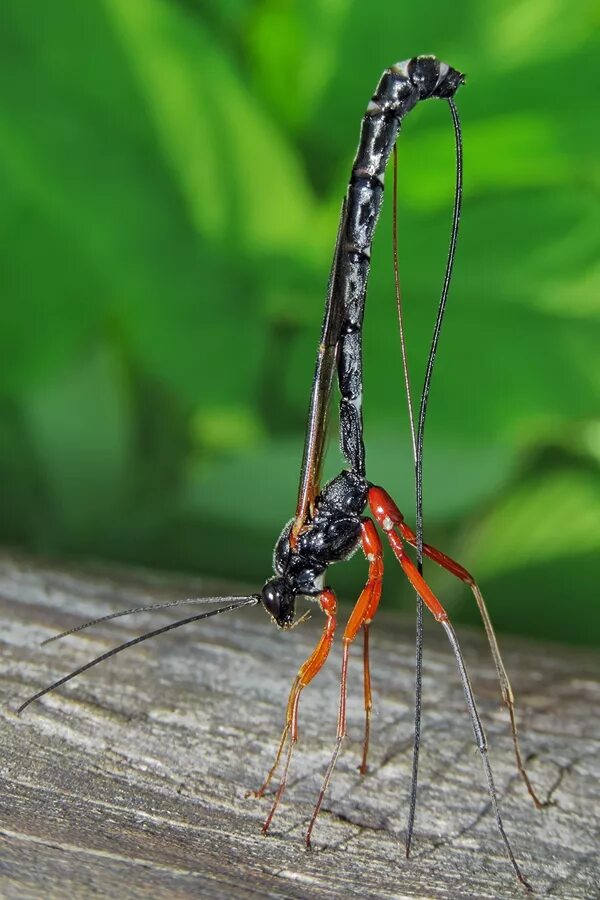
(171, 173)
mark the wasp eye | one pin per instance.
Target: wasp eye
(271, 598)
(278, 602)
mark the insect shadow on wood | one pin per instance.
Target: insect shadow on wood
(330, 524)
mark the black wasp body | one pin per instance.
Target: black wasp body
(332, 535)
(327, 527)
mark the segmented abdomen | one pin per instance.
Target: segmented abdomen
(399, 89)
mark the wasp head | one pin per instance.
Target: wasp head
(279, 601)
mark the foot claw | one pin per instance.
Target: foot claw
(254, 795)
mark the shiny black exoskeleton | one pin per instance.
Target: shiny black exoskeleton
(332, 535)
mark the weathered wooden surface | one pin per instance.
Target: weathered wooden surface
(131, 780)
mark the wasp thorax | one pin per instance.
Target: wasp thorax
(279, 601)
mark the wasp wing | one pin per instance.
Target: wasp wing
(316, 426)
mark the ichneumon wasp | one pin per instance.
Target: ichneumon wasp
(330, 524)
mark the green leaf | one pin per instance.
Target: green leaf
(80, 424)
(554, 516)
(208, 123)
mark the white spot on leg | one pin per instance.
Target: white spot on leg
(387, 524)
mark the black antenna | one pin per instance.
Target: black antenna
(419, 464)
(138, 609)
(247, 601)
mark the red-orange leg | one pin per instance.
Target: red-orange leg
(368, 699)
(366, 666)
(307, 672)
(386, 512)
(388, 516)
(361, 616)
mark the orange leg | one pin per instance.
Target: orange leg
(307, 672)
(366, 666)
(368, 699)
(361, 616)
(388, 515)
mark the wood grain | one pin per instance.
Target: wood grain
(131, 780)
